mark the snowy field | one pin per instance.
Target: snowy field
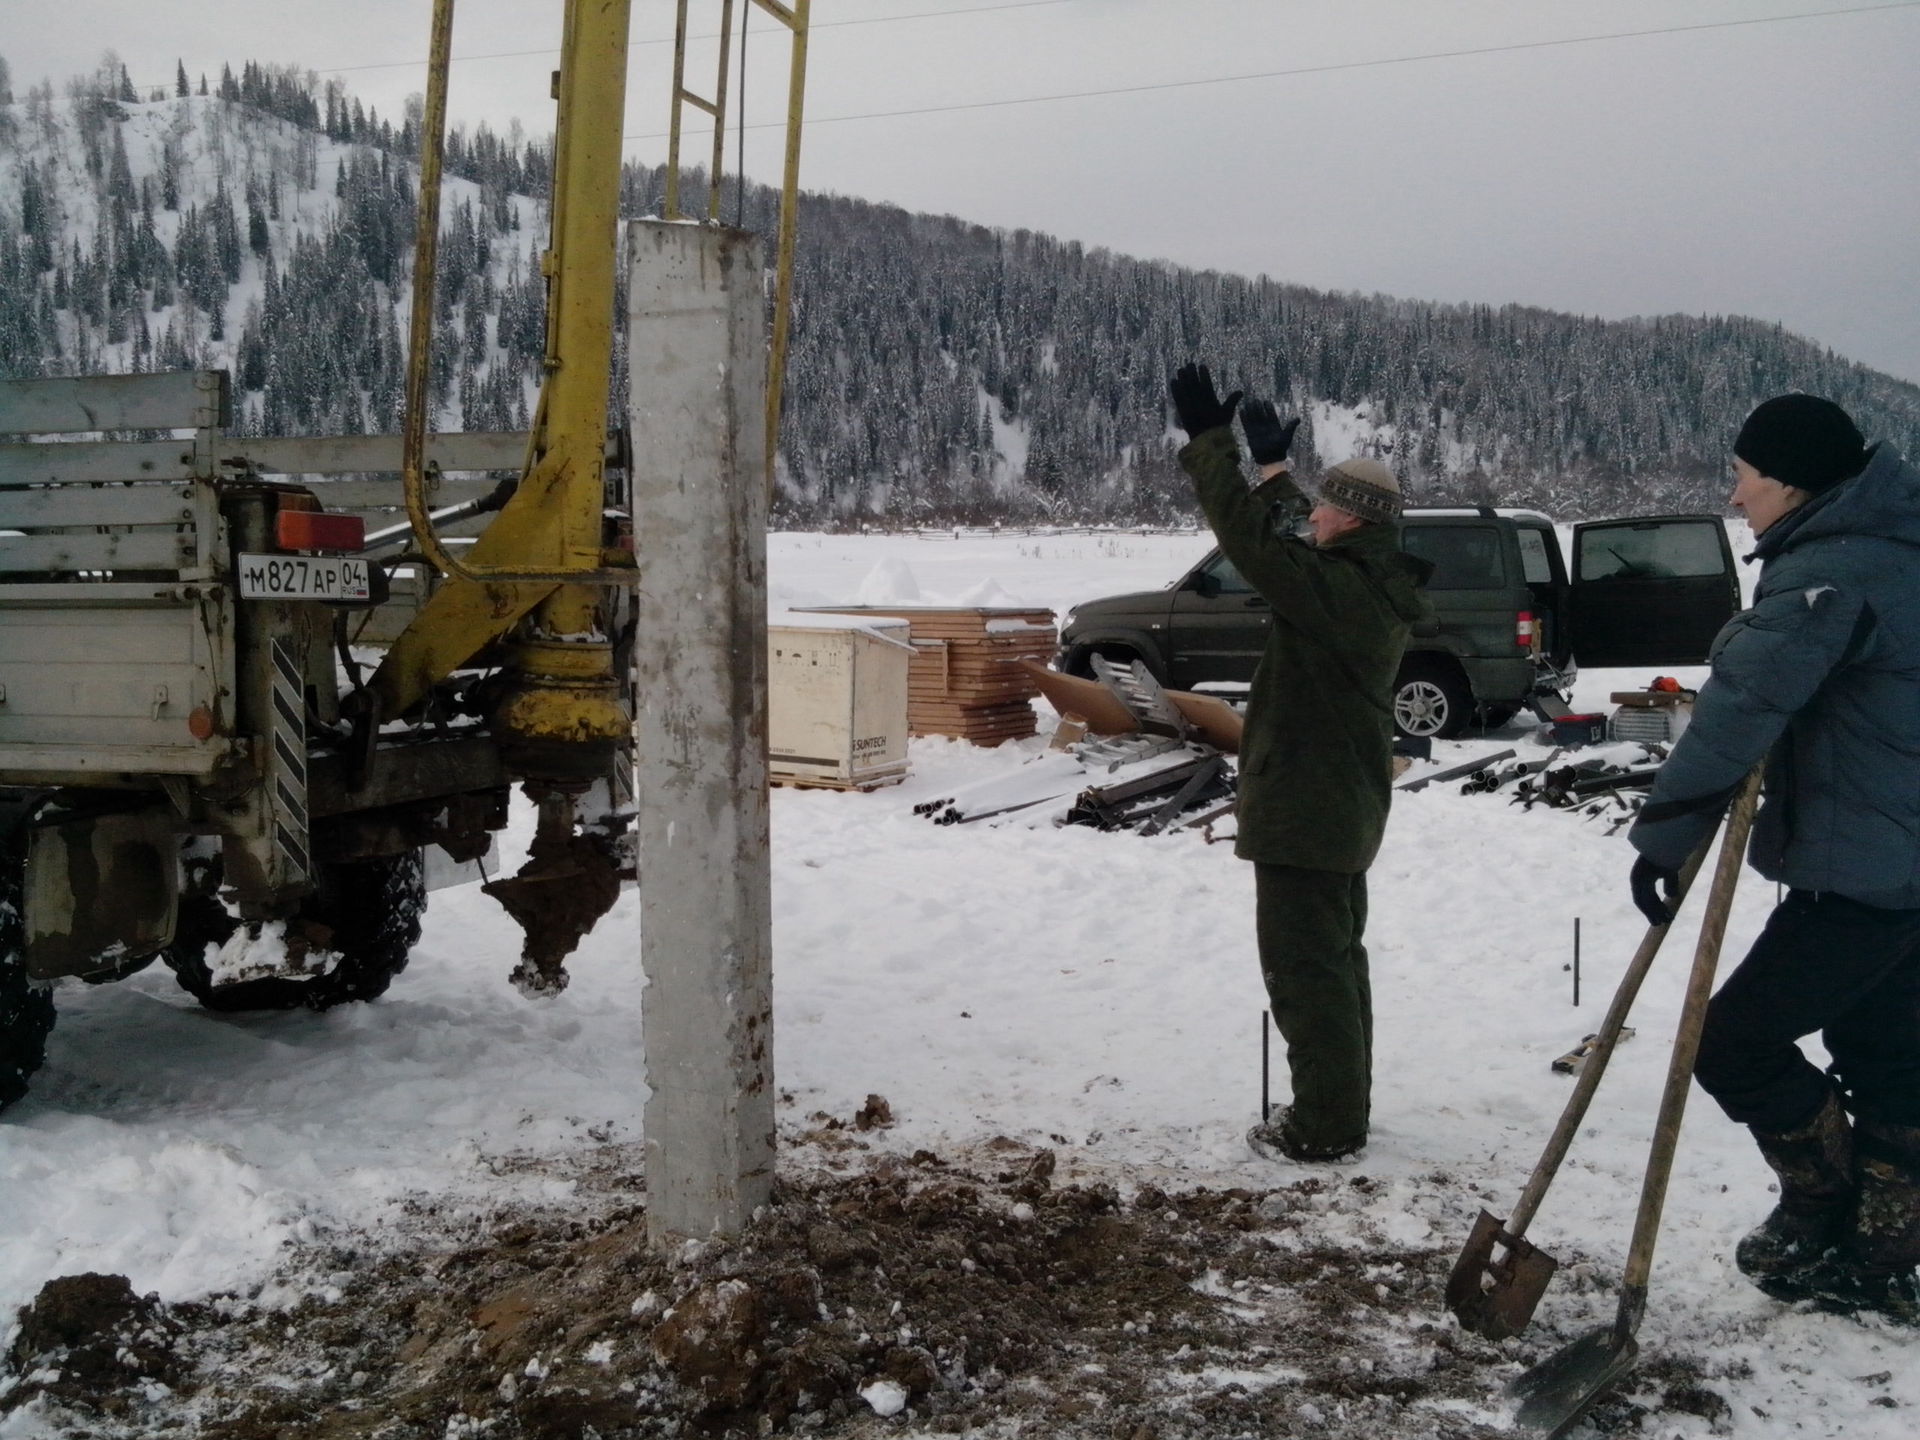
(1095, 993)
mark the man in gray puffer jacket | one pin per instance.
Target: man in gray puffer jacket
(1821, 679)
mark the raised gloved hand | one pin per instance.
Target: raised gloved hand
(1648, 880)
(1195, 401)
(1267, 439)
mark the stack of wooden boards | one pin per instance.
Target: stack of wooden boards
(966, 679)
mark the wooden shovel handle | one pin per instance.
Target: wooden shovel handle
(1603, 1042)
(1686, 1047)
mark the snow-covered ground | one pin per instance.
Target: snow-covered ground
(1092, 992)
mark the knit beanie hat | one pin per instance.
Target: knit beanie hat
(1802, 441)
(1362, 487)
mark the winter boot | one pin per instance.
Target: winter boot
(1276, 1139)
(1873, 1268)
(1816, 1169)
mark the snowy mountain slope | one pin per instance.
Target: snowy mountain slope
(939, 371)
(198, 232)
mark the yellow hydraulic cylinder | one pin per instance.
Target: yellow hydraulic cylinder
(560, 716)
(580, 266)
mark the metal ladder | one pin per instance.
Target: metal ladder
(796, 17)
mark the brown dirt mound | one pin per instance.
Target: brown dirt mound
(88, 1344)
(914, 1296)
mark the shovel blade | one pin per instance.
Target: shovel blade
(1491, 1294)
(1563, 1387)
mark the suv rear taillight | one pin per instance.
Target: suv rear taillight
(1526, 632)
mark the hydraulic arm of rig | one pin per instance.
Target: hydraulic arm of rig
(540, 592)
(545, 593)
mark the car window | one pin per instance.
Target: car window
(1222, 570)
(1655, 549)
(1535, 567)
(1464, 557)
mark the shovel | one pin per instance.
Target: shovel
(1563, 1387)
(1494, 1295)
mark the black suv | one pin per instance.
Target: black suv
(1510, 627)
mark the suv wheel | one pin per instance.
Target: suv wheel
(1079, 660)
(1431, 700)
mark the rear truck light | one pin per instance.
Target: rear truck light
(1526, 631)
(317, 530)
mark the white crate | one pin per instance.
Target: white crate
(837, 700)
(1649, 724)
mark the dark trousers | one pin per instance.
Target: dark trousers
(1823, 963)
(1309, 924)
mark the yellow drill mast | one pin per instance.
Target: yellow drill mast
(538, 591)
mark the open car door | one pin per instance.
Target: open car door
(1650, 591)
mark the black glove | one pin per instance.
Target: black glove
(1195, 401)
(1647, 881)
(1267, 439)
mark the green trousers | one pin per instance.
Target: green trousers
(1309, 924)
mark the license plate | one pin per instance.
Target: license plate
(303, 577)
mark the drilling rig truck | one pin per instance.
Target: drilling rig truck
(199, 765)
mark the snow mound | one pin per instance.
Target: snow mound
(989, 592)
(253, 955)
(891, 582)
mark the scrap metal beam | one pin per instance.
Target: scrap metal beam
(1454, 772)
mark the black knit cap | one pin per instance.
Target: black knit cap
(1803, 441)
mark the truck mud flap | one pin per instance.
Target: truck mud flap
(101, 892)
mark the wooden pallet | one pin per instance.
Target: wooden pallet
(830, 782)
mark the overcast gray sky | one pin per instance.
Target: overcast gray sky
(1768, 169)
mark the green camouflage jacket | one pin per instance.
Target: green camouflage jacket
(1316, 758)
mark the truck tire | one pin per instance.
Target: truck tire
(1431, 700)
(26, 1009)
(373, 908)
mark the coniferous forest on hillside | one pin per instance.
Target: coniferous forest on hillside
(939, 372)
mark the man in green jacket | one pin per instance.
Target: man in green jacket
(1316, 757)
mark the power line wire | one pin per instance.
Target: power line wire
(668, 40)
(1319, 69)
